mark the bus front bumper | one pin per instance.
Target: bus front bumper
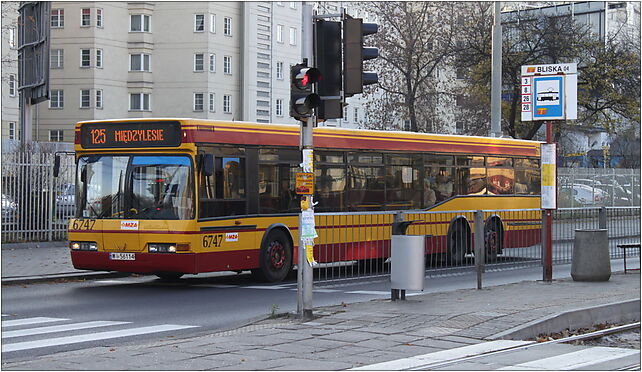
(143, 263)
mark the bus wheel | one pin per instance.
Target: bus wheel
(458, 242)
(275, 259)
(169, 276)
(492, 242)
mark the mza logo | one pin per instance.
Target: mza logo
(232, 237)
(129, 225)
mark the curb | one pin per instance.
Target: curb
(71, 276)
(616, 312)
(35, 245)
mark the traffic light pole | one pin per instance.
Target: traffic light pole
(304, 271)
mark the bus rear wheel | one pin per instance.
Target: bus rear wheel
(493, 242)
(275, 258)
(458, 244)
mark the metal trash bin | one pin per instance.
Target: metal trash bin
(591, 260)
(408, 261)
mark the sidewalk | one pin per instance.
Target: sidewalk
(342, 337)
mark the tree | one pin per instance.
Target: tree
(528, 38)
(414, 39)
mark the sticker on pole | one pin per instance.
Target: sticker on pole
(549, 184)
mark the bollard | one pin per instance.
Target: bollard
(591, 261)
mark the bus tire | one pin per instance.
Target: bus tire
(493, 240)
(275, 258)
(169, 276)
(458, 242)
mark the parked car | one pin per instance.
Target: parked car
(9, 209)
(617, 195)
(66, 201)
(581, 195)
(586, 181)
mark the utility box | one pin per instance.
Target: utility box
(408, 261)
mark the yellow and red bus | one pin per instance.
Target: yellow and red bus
(185, 196)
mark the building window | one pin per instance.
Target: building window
(85, 57)
(212, 62)
(227, 65)
(227, 26)
(56, 99)
(213, 23)
(85, 99)
(199, 22)
(356, 115)
(198, 101)
(139, 62)
(99, 98)
(12, 37)
(139, 102)
(212, 102)
(57, 57)
(292, 36)
(139, 23)
(198, 62)
(345, 114)
(279, 33)
(279, 70)
(99, 18)
(12, 85)
(99, 58)
(55, 135)
(292, 4)
(85, 17)
(12, 130)
(227, 104)
(279, 107)
(57, 18)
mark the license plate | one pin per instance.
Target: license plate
(122, 256)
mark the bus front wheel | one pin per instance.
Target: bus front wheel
(275, 258)
(458, 243)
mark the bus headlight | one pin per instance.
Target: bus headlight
(161, 247)
(83, 246)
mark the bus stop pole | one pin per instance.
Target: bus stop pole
(548, 225)
(304, 268)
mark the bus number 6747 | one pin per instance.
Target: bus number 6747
(212, 240)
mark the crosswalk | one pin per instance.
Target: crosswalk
(41, 332)
(505, 355)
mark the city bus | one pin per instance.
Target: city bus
(185, 196)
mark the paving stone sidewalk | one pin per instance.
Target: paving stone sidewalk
(342, 337)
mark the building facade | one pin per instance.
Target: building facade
(10, 122)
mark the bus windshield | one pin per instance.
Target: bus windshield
(147, 187)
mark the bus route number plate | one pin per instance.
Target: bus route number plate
(122, 256)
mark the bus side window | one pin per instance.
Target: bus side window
(223, 193)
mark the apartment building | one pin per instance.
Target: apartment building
(215, 60)
(10, 122)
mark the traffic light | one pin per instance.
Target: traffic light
(303, 100)
(354, 53)
(328, 60)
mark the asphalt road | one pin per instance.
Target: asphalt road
(195, 305)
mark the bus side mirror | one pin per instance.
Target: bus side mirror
(56, 169)
(208, 165)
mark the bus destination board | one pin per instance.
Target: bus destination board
(132, 134)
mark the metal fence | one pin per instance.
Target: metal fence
(357, 245)
(36, 206)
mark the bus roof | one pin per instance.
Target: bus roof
(250, 133)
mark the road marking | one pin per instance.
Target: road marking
(29, 321)
(386, 293)
(5, 315)
(91, 337)
(222, 286)
(576, 359)
(425, 360)
(59, 328)
(263, 287)
(115, 281)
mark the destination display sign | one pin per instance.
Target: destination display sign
(130, 134)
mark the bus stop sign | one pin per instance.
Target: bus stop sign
(549, 92)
